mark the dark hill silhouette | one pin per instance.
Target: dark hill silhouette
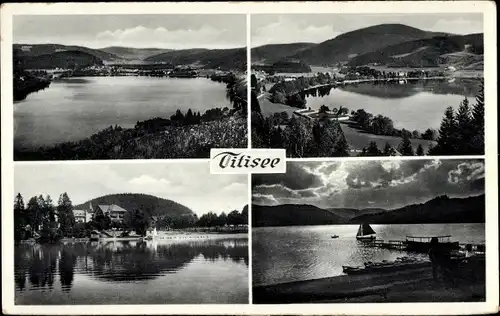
(441, 209)
(226, 59)
(293, 215)
(422, 52)
(45, 49)
(274, 52)
(64, 59)
(150, 204)
(369, 39)
(131, 53)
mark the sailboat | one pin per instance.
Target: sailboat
(365, 232)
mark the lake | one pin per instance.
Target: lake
(72, 109)
(154, 272)
(286, 254)
(413, 105)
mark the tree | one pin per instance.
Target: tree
(477, 142)
(389, 150)
(430, 134)
(382, 125)
(464, 127)
(234, 218)
(236, 93)
(65, 214)
(405, 147)
(323, 109)
(298, 137)
(34, 215)
(20, 220)
(189, 119)
(139, 223)
(373, 149)
(420, 150)
(447, 141)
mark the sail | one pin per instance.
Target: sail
(364, 230)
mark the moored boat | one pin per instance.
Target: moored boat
(335, 236)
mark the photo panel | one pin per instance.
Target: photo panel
(128, 86)
(338, 85)
(131, 233)
(370, 231)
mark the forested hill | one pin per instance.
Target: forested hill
(150, 204)
(25, 50)
(136, 54)
(441, 209)
(65, 59)
(426, 52)
(292, 215)
(361, 41)
(275, 52)
(226, 59)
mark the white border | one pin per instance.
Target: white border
(487, 8)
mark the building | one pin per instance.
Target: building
(116, 213)
(85, 215)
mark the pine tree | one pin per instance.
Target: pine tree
(447, 143)
(477, 141)
(20, 220)
(405, 147)
(65, 214)
(465, 131)
(420, 150)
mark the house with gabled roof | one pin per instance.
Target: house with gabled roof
(115, 212)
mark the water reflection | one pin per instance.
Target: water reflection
(125, 261)
(395, 90)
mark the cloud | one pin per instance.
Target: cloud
(459, 25)
(465, 172)
(140, 36)
(362, 184)
(146, 180)
(288, 30)
(298, 176)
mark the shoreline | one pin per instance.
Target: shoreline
(392, 286)
(165, 236)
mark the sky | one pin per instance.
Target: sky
(139, 31)
(188, 183)
(385, 184)
(316, 28)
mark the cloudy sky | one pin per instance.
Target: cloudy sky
(316, 28)
(139, 31)
(366, 184)
(190, 184)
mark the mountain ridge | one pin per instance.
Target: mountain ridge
(441, 209)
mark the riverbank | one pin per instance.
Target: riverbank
(185, 141)
(415, 285)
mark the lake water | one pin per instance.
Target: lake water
(413, 106)
(160, 272)
(286, 254)
(74, 108)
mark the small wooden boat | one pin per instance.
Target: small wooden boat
(365, 233)
(335, 236)
(352, 269)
